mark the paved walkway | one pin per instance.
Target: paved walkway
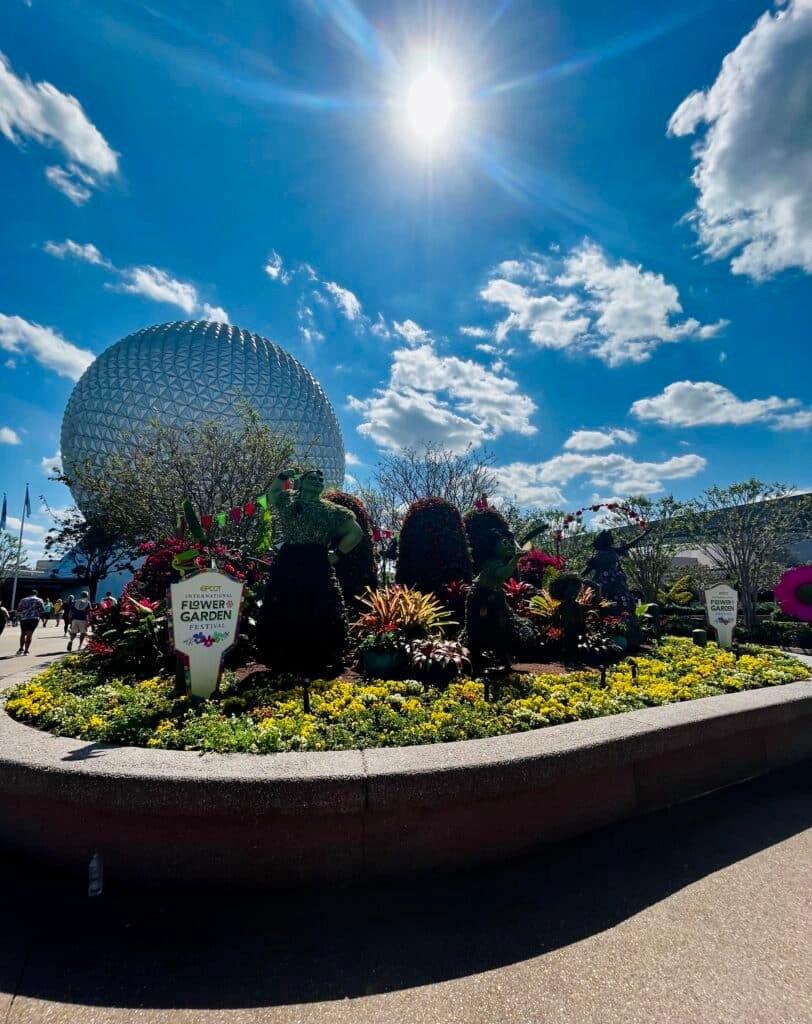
(702, 914)
(48, 643)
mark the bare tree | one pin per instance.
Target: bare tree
(647, 564)
(429, 472)
(9, 549)
(745, 530)
(215, 465)
(91, 548)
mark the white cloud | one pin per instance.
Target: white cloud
(87, 253)
(13, 523)
(52, 462)
(551, 322)
(40, 112)
(9, 436)
(591, 440)
(634, 308)
(412, 333)
(352, 460)
(344, 299)
(533, 483)
(10, 364)
(523, 270)
(432, 397)
(44, 345)
(618, 311)
(800, 420)
(475, 332)
(754, 164)
(310, 333)
(275, 268)
(379, 328)
(156, 284)
(150, 282)
(214, 313)
(66, 181)
(687, 403)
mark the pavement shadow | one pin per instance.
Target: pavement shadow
(196, 948)
(87, 752)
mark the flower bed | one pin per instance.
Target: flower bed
(72, 699)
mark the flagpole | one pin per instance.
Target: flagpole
(19, 553)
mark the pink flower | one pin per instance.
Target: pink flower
(794, 593)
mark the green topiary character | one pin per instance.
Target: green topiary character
(480, 526)
(433, 549)
(493, 631)
(303, 621)
(357, 570)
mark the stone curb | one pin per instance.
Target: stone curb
(346, 815)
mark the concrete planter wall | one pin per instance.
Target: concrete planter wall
(346, 816)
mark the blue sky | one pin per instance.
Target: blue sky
(599, 268)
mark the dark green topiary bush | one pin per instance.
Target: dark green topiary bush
(358, 569)
(433, 547)
(480, 525)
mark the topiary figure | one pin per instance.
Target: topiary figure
(433, 549)
(359, 569)
(481, 526)
(303, 622)
(493, 631)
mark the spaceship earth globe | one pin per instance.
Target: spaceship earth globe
(194, 372)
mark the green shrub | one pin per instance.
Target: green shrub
(433, 549)
(784, 634)
(480, 525)
(359, 569)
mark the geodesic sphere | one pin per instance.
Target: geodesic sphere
(195, 371)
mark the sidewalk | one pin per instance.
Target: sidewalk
(48, 643)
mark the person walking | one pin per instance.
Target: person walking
(81, 616)
(108, 602)
(47, 609)
(4, 617)
(67, 608)
(29, 612)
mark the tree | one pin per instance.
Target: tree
(9, 547)
(402, 478)
(217, 466)
(94, 551)
(745, 530)
(648, 563)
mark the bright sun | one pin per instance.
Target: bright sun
(430, 105)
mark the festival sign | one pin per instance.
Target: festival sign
(205, 615)
(721, 606)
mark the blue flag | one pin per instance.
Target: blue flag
(27, 506)
(3, 514)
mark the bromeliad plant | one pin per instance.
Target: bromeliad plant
(413, 614)
(440, 661)
(130, 638)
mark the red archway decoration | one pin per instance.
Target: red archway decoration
(611, 506)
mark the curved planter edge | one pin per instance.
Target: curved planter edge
(347, 815)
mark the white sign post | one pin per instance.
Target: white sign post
(722, 605)
(205, 617)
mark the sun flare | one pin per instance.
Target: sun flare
(430, 105)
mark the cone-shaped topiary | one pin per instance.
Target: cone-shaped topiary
(433, 547)
(358, 569)
(480, 526)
